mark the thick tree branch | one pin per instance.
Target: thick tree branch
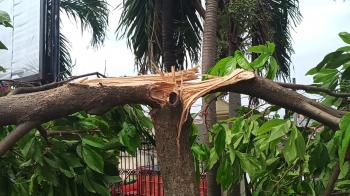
(278, 95)
(311, 88)
(16, 134)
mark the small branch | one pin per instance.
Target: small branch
(75, 132)
(24, 90)
(198, 6)
(334, 177)
(42, 131)
(15, 135)
(332, 180)
(311, 88)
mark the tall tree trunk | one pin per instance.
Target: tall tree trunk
(234, 98)
(177, 164)
(208, 60)
(168, 41)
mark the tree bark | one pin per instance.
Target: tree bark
(208, 60)
(177, 163)
(168, 41)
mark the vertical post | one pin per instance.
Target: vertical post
(55, 39)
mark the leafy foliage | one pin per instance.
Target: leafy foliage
(5, 21)
(275, 154)
(254, 22)
(79, 156)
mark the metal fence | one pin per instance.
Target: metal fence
(141, 176)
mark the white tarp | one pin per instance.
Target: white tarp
(23, 40)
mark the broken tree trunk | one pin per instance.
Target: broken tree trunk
(177, 164)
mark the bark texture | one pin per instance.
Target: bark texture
(208, 60)
(177, 164)
(168, 41)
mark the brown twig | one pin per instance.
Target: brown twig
(312, 88)
(15, 135)
(334, 177)
(24, 90)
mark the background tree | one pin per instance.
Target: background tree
(161, 33)
(91, 15)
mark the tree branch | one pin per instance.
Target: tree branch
(23, 90)
(278, 95)
(97, 96)
(16, 134)
(311, 88)
(335, 174)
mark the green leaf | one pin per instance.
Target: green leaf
(295, 146)
(344, 49)
(200, 151)
(129, 137)
(319, 158)
(93, 141)
(325, 76)
(328, 58)
(260, 49)
(267, 126)
(271, 48)
(220, 139)
(224, 67)
(337, 62)
(224, 174)
(87, 183)
(111, 179)
(213, 158)
(344, 126)
(93, 159)
(2, 69)
(2, 46)
(248, 163)
(242, 61)
(260, 61)
(5, 19)
(279, 131)
(273, 69)
(345, 37)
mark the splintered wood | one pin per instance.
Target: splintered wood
(184, 83)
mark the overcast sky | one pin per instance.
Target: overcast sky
(312, 39)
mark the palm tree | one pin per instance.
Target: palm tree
(161, 33)
(254, 22)
(92, 15)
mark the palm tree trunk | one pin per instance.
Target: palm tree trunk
(234, 98)
(208, 60)
(169, 55)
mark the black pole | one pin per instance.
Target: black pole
(55, 39)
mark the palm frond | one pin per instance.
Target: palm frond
(92, 15)
(140, 23)
(66, 63)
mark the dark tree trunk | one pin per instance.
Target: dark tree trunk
(177, 164)
(208, 60)
(234, 98)
(168, 41)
